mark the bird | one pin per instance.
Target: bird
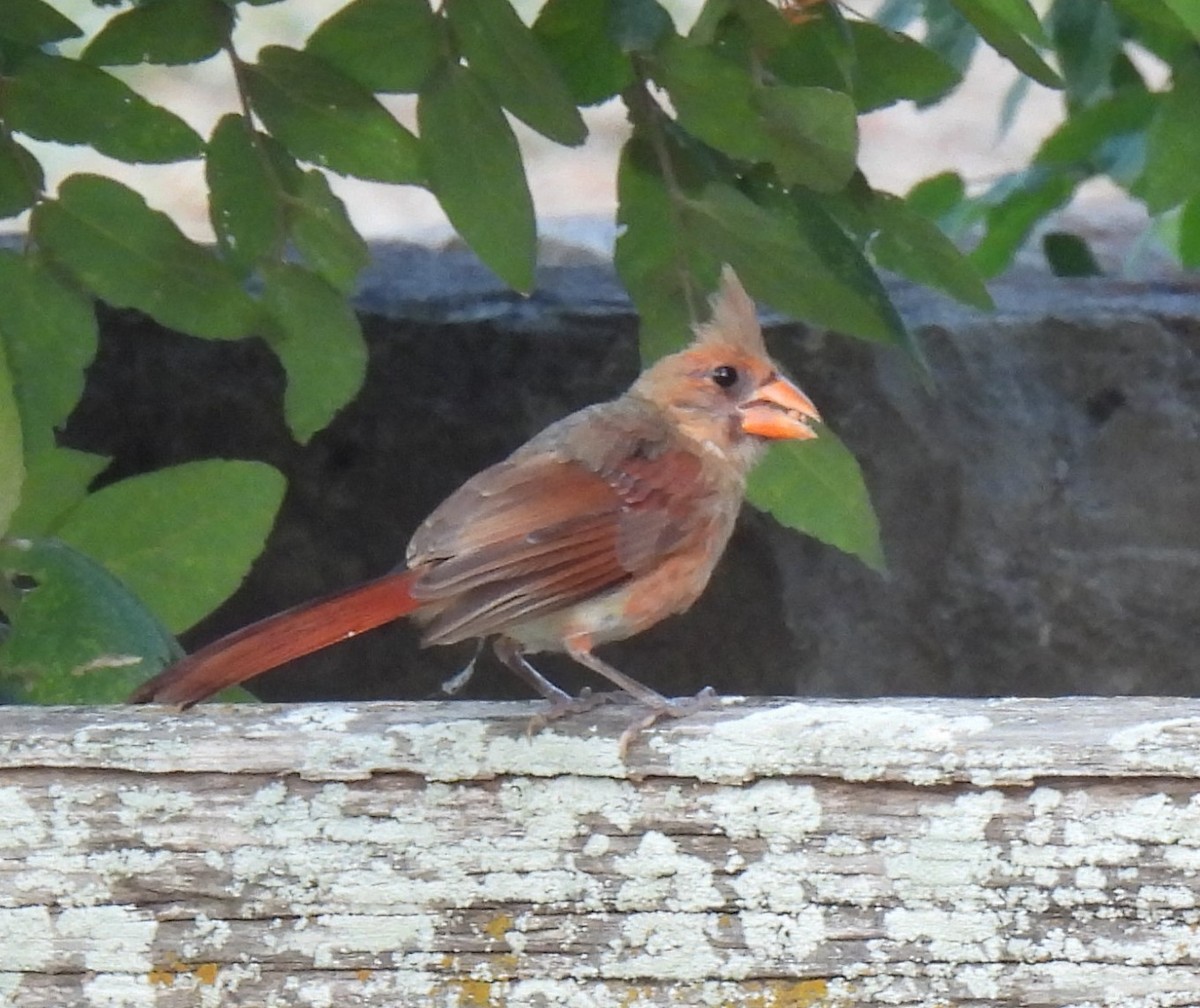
(605, 523)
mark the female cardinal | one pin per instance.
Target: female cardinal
(598, 527)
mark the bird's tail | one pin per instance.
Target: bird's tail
(277, 639)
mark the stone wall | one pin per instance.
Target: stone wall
(1040, 506)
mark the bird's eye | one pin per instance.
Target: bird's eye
(724, 375)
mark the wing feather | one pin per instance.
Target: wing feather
(593, 501)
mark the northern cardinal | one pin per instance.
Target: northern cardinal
(603, 524)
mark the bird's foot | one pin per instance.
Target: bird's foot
(678, 707)
(560, 707)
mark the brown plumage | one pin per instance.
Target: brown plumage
(598, 527)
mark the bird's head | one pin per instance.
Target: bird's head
(723, 390)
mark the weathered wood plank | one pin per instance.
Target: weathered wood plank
(906, 852)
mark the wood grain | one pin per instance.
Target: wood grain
(769, 852)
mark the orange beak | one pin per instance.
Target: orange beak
(779, 410)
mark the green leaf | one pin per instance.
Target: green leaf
(1189, 233)
(181, 538)
(167, 32)
(809, 133)
(893, 67)
(1081, 139)
(1028, 197)
(506, 55)
(650, 257)
(826, 279)
(318, 340)
(245, 194)
(815, 134)
(1010, 105)
(1188, 12)
(915, 247)
(937, 196)
(385, 45)
(21, 178)
(56, 480)
(1087, 39)
(480, 184)
(949, 34)
(12, 453)
(1069, 255)
(324, 234)
(79, 635)
(637, 26)
(132, 256)
(1154, 27)
(35, 23)
(575, 37)
(259, 197)
(48, 336)
(817, 487)
(68, 102)
(1005, 25)
(714, 99)
(1173, 143)
(818, 53)
(325, 117)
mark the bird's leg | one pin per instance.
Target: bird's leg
(579, 648)
(457, 682)
(561, 703)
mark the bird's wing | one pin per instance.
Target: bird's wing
(590, 503)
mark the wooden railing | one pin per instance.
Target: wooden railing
(766, 853)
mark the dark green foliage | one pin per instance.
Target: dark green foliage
(507, 56)
(131, 256)
(385, 45)
(322, 116)
(170, 32)
(744, 150)
(1069, 255)
(52, 98)
(35, 23)
(480, 184)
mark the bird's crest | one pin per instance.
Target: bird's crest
(734, 320)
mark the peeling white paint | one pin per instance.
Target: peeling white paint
(954, 935)
(10, 983)
(1146, 735)
(27, 936)
(20, 825)
(329, 937)
(776, 882)
(556, 808)
(784, 938)
(113, 937)
(658, 874)
(666, 945)
(116, 991)
(548, 855)
(152, 802)
(781, 812)
(596, 845)
(784, 739)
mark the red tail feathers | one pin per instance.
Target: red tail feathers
(277, 639)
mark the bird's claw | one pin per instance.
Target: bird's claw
(677, 708)
(555, 709)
